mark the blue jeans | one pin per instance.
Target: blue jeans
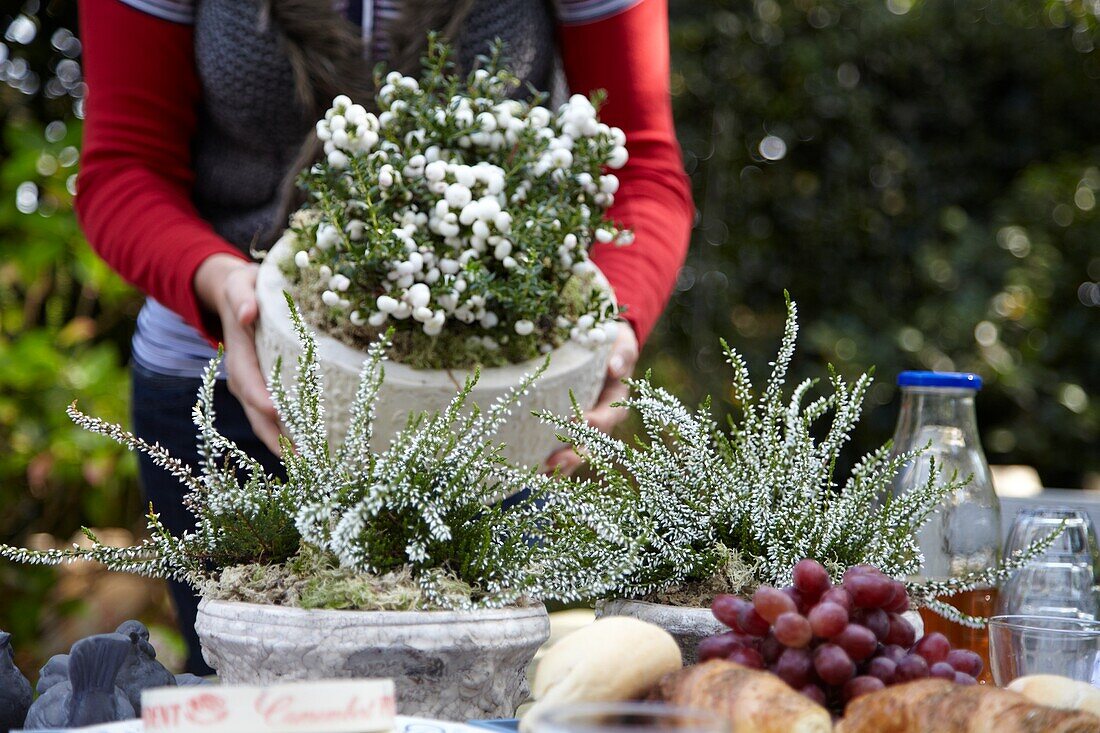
(161, 410)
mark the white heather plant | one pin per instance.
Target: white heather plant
(727, 511)
(416, 526)
(460, 217)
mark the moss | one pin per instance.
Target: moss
(311, 580)
(731, 575)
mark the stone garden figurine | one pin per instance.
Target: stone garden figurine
(56, 669)
(15, 690)
(141, 669)
(89, 696)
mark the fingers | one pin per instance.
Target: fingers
(247, 384)
(240, 295)
(624, 354)
(265, 428)
(620, 365)
(605, 417)
(245, 379)
(565, 460)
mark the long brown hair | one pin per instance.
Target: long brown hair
(328, 57)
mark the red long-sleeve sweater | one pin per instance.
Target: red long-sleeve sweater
(134, 189)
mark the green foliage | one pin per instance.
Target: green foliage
(63, 321)
(64, 328)
(748, 502)
(459, 217)
(974, 118)
(932, 201)
(430, 506)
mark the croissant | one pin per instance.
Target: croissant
(938, 706)
(750, 701)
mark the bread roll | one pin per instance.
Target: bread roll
(611, 660)
(938, 706)
(749, 700)
(1058, 692)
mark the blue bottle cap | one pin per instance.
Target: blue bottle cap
(946, 380)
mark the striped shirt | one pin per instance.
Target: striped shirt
(163, 342)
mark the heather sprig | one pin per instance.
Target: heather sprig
(458, 214)
(762, 494)
(428, 507)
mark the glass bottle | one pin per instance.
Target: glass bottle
(937, 411)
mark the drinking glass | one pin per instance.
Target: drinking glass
(1021, 645)
(627, 717)
(1063, 580)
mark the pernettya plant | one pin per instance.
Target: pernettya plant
(726, 511)
(459, 217)
(423, 518)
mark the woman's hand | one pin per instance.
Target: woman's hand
(226, 285)
(620, 365)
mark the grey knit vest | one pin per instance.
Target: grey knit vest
(252, 124)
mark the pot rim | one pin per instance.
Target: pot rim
(634, 601)
(210, 607)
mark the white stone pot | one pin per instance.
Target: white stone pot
(688, 624)
(457, 665)
(572, 367)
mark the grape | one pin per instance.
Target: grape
(770, 648)
(794, 667)
(875, 619)
(861, 686)
(943, 670)
(894, 653)
(771, 602)
(883, 668)
(726, 609)
(800, 603)
(751, 622)
(834, 643)
(912, 667)
(839, 596)
(858, 641)
(962, 678)
(869, 591)
(720, 646)
(899, 602)
(863, 569)
(901, 631)
(747, 657)
(814, 693)
(933, 647)
(833, 665)
(827, 619)
(793, 630)
(965, 661)
(811, 578)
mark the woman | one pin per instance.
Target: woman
(197, 112)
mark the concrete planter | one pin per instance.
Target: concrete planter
(572, 367)
(688, 625)
(447, 665)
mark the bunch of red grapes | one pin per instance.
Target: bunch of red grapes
(834, 643)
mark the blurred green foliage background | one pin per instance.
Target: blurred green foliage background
(921, 176)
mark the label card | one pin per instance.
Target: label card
(335, 706)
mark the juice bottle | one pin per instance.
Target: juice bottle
(964, 535)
